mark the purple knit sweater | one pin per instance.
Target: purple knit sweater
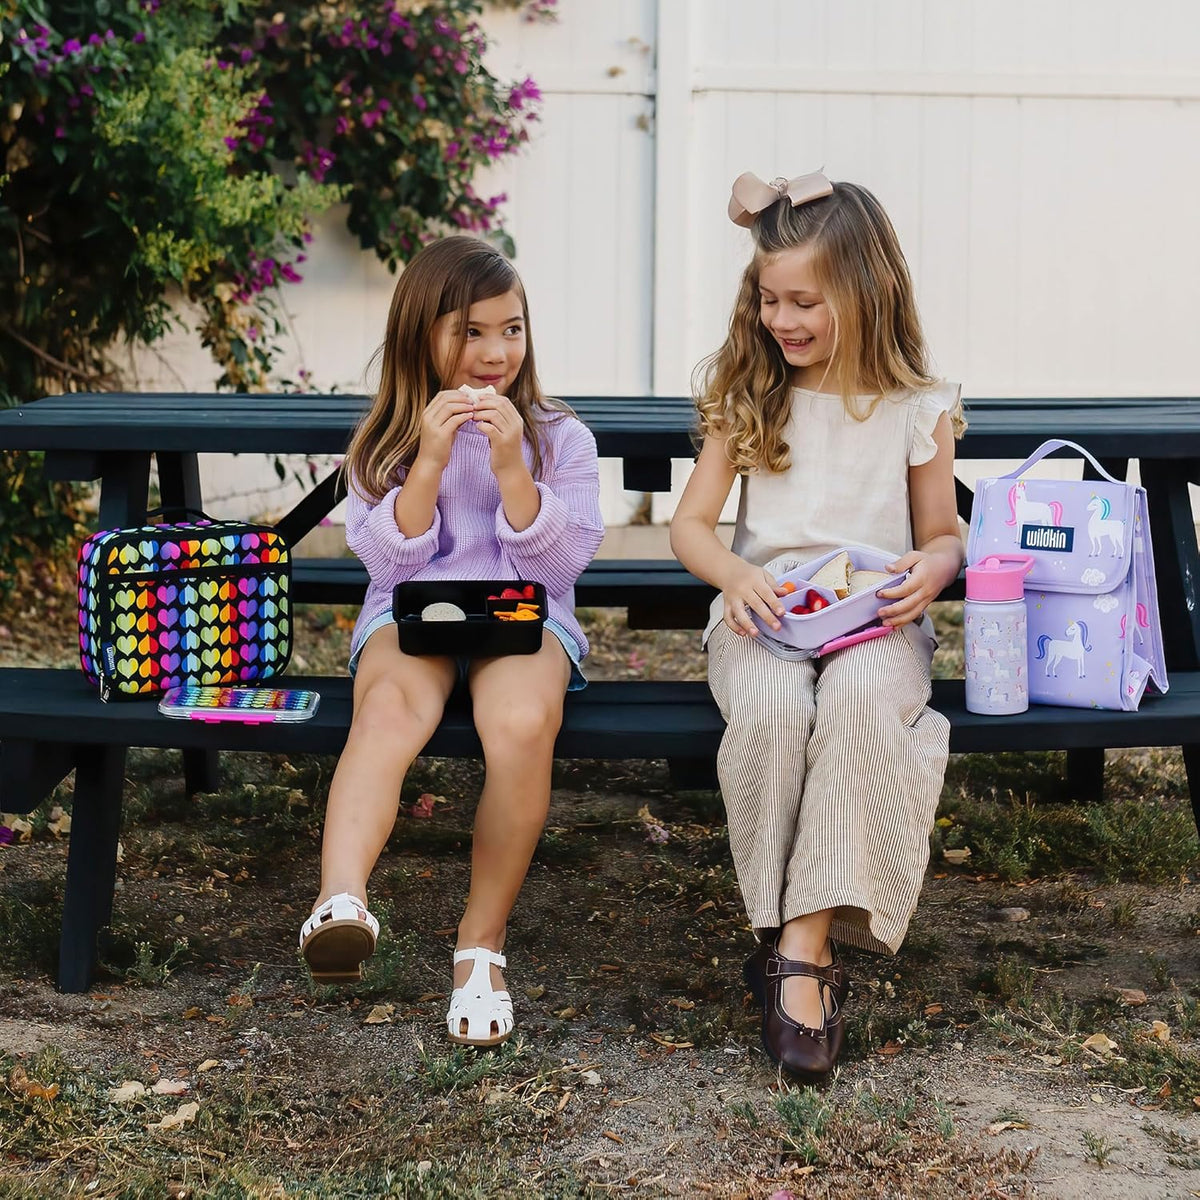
(470, 537)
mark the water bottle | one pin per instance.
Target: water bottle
(994, 635)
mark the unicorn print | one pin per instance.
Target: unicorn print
(1031, 512)
(1054, 650)
(989, 629)
(1143, 622)
(1101, 526)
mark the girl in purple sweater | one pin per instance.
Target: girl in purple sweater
(447, 484)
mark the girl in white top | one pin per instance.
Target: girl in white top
(823, 403)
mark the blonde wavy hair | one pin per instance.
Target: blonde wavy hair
(743, 391)
(447, 276)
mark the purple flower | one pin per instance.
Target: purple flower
(420, 101)
(72, 46)
(139, 37)
(6, 836)
(342, 125)
(657, 835)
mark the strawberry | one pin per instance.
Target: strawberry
(817, 603)
(529, 592)
(512, 594)
(802, 610)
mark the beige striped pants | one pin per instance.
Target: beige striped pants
(831, 771)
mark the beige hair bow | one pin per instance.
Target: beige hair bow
(751, 195)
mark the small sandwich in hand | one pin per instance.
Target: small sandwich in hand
(835, 575)
(863, 581)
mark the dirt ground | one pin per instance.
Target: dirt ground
(973, 1066)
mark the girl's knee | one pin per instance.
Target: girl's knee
(520, 725)
(388, 707)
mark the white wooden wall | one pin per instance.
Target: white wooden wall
(1039, 159)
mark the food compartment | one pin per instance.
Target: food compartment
(485, 630)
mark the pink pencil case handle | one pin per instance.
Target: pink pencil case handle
(853, 639)
(244, 718)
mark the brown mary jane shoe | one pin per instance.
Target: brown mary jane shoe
(754, 971)
(809, 1054)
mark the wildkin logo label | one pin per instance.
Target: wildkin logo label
(1047, 537)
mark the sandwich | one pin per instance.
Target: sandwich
(862, 581)
(835, 575)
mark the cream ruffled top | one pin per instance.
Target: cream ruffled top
(847, 482)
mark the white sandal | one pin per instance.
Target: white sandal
(477, 1004)
(336, 939)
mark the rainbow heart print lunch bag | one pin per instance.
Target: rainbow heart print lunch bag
(205, 602)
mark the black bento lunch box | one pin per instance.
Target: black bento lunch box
(482, 634)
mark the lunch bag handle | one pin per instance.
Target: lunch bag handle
(1048, 447)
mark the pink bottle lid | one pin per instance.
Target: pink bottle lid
(999, 577)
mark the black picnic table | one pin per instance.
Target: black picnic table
(51, 721)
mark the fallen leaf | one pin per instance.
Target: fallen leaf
(536, 993)
(565, 1014)
(591, 1078)
(20, 1082)
(957, 857)
(671, 1043)
(1160, 1030)
(424, 806)
(1000, 1126)
(704, 907)
(207, 1065)
(686, 1005)
(1101, 1044)
(189, 1013)
(380, 1014)
(1051, 1060)
(614, 1137)
(170, 1087)
(1131, 995)
(185, 1114)
(933, 1010)
(890, 1048)
(130, 1089)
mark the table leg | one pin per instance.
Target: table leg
(179, 479)
(125, 480)
(179, 484)
(1085, 774)
(91, 861)
(1176, 559)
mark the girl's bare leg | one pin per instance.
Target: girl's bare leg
(398, 702)
(518, 704)
(806, 938)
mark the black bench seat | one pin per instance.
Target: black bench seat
(610, 719)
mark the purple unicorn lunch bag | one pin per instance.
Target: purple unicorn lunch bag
(1094, 634)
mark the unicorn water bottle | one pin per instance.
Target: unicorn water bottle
(994, 635)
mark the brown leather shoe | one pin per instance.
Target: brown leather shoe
(809, 1054)
(754, 971)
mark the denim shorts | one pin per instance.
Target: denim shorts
(576, 683)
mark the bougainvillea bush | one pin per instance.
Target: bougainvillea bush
(159, 150)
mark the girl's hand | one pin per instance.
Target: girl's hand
(444, 416)
(926, 579)
(751, 589)
(498, 419)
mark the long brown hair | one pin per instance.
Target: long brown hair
(743, 391)
(447, 276)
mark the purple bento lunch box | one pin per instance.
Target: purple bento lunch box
(815, 631)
